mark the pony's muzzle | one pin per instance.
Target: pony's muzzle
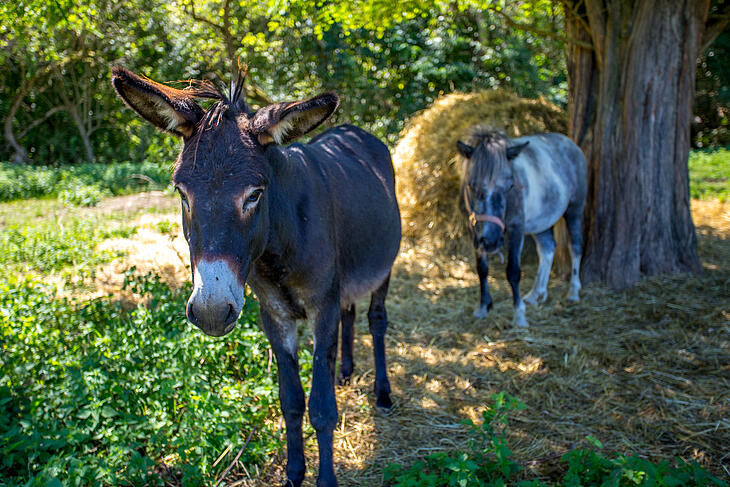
(491, 238)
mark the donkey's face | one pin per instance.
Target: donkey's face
(487, 180)
(223, 178)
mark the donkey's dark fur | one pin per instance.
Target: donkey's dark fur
(311, 228)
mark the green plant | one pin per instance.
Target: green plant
(83, 195)
(487, 463)
(93, 394)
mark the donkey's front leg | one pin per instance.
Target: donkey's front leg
(283, 339)
(516, 238)
(485, 299)
(322, 403)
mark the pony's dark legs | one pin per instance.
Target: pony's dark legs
(348, 335)
(322, 402)
(545, 250)
(291, 395)
(485, 299)
(573, 218)
(378, 320)
(516, 238)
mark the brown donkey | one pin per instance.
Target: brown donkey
(310, 227)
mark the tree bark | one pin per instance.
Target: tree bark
(630, 106)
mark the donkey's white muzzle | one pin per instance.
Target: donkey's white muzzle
(217, 297)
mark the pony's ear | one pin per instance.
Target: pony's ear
(282, 123)
(164, 107)
(464, 149)
(514, 151)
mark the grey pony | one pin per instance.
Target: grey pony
(512, 187)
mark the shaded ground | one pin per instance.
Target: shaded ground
(645, 370)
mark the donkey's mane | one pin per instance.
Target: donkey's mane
(489, 161)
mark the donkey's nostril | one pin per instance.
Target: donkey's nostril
(232, 316)
(190, 313)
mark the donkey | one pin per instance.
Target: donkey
(311, 228)
(518, 186)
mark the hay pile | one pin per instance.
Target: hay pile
(425, 157)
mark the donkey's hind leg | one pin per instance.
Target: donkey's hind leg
(347, 317)
(545, 250)
(573, 219)
(378, 319)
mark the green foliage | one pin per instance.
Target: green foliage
(487, 463)
(92, 394)
(81, 183)
(709, 174)
(86, 195)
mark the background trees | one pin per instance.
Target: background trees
(628, 85)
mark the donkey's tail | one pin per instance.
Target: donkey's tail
(563, 262)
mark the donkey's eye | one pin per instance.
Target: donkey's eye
(183, 199)
(254, 196)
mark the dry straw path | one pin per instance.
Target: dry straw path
(645, 370)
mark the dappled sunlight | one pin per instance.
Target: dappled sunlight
(641, 370)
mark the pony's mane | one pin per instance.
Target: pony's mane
(490, 153)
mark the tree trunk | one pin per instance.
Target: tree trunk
(630, 106)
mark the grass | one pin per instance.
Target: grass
(709, 173)
(93, 392)
(83, 184)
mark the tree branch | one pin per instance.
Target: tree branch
(203, 19)
(714, 28)
(39, 121)
(529, 28)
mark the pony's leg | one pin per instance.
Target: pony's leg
(485, 300)
(283, 339)
(378, 320)
(573, 219)
(545, 250)
(347, 317)
(513, 276)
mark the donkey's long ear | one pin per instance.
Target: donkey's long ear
(164, 107)
(514, 151)
(464, 149)
(282, 123)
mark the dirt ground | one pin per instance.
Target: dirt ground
(645, 370)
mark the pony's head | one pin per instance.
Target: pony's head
(487, 180)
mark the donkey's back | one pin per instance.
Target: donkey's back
(358, 173)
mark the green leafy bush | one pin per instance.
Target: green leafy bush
(83, 195)
(488, 463)
(91, 394)
(20, 182)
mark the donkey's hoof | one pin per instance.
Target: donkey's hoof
(344, 378)
(384, 404)
(481, 312)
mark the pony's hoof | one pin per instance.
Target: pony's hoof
(520, 321)
(535, 298)
(573, 296)
(481, 313)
